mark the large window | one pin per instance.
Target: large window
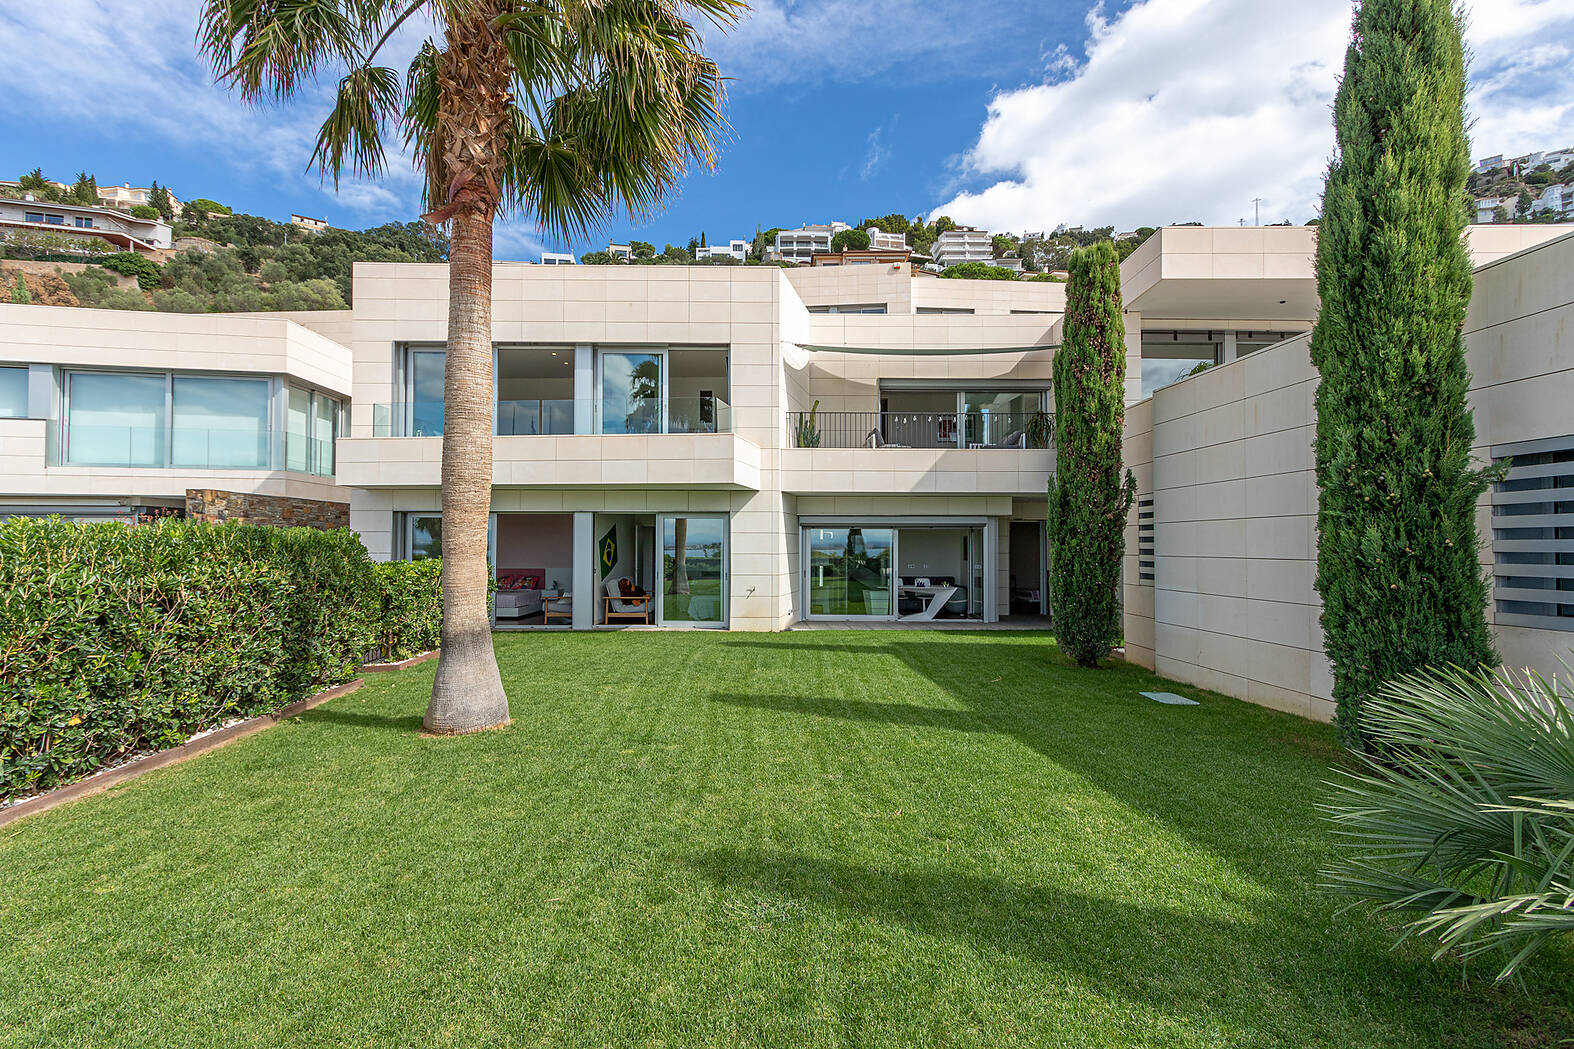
(694, 572)
(631, 388)
(220, 423)
(426, 393)
(192, 420)
(426, 537)
(13, 393)
(310, 427)
(116, 419)
(850, 571)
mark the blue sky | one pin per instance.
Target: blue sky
(1014, 114)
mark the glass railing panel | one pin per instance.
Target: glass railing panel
(546, 417)
(698, 415)
(920, 429)
(186, 447)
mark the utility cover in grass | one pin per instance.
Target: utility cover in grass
(1171, 698)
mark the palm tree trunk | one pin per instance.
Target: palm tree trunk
(467, 695)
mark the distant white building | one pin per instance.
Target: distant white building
(879, 240)
(1487, 206)
(558, 258)
(123, 197)
(736, 249)
(18, 218)
(801, 245)
(309, 224)
(622, 252)
(963, 244)
(1556, 199)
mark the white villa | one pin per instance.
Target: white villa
(755, 447)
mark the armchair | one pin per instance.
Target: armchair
(619, 605)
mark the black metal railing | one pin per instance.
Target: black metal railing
(920, 429)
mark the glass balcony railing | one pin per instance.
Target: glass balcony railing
(920, 429)
(532, 418)
(185, 447)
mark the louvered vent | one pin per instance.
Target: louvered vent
(1533, 535)
(1145, 557)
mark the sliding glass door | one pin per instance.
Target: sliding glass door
(694, 571)
(849, 571)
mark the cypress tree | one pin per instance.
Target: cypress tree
(1088, 500)
(1397, 545)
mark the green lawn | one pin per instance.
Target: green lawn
(709, 839)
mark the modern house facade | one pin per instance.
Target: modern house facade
(797, 464)
(1222, 542)
(738, 250)
(963, 244)
(111, 414)
(752, 448)
(22, 218)
(801, 245)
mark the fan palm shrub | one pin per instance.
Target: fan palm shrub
(557, 110)
(1460, 820)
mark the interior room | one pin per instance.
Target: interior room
(941, 574)
(625, 570)
(535, 390)
(697, 395)
(535, 571)
(912, 572)
(1026, 559)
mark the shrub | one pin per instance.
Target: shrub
(1088, 499)
(1464, 821)
(411, 608)
(144, 211)
(115, 640)
(131, 264)
(978, 271)
(1398, 564)
(850, 239)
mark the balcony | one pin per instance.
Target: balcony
(557, 418)
(156, 447)
(921, 429)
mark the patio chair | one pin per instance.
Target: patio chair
(875, 439)
(624, 606)
(1014, 439)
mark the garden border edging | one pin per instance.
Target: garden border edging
(190, 749)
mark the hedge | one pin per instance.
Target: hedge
(411, 619)
(118, 640)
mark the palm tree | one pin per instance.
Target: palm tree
(557, 110)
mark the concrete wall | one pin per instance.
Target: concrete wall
(1227, 456)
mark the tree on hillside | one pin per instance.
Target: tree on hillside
(84, 190)
(1397, 546)
(562, 110)
(158, 197)
(850, 239)
(1088, 499)
(1522, 206)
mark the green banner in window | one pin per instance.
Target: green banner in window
(609, 551)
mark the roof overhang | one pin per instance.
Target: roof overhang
(926, 351)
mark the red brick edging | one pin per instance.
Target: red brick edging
(131, 769)
(377, 668)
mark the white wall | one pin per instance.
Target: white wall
(1227, 456)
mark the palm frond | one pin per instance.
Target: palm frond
(268, 49)
(1462, 818)
(367, 97)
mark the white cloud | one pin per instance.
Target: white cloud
(791, 41)
(132, 67)
(1184, 110)
(875, 156)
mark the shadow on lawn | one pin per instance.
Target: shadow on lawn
(407, 723)
(1186, 766)
(861, 710)
(1172, 960)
